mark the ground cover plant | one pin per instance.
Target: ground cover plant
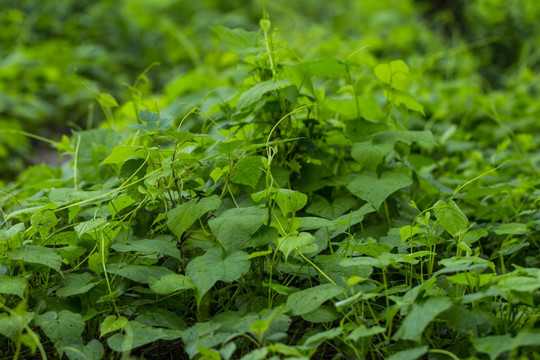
(363, 206)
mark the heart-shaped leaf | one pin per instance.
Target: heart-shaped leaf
(204, 271)
(374, 190)
(235, 227)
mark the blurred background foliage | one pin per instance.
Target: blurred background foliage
(475, 62)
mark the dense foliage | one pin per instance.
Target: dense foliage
(354, 181)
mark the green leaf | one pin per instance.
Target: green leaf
(254, 94)
(94, 350)
(300, 242)
(407, 232)
(121, 153)
(496, 345)
(519, 283)
(149, 246)
(258, 354)
(137, 334)
(369, 108)
(228, 147)
(182, 217)
(208, 354)
(472, 279)
(369, 155)
(383, 73)
(333, 267)
(395, 74)
(170, 283)
(94, 145)
(362, 331)
(112, 324)
(107, 100)
(43, 222)
(259, 327)
(139, 273)
(368, 187)
(290, 201)
(76, 284)
(316, 340)
(37, 255)
(90, 226)
(12, 326)
(328, 68)
(321, 207)
(420, 316)
(406, 99)
(119, 204)
(409, 354)
(400, 75)
(304, 301)
(351, 108)
(511, 229)
(12, 286)
(204, 271)
(235, 227)
(153, 122)
(238, 40)
(323, 314)
(63, 328)
(407, 137)
(247, 171)
(450, 217)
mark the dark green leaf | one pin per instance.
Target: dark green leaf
(420, 316)
(182, 217)
(204, 271)
(305, 301)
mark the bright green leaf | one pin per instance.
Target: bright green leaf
(368, 187)
(450, 217)
(239, 40)
(254, 94)
(112, 324)
(170, 283)
(12, 286)
(107, 100)
(121, 153)
(383, 73)
(292, 242)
